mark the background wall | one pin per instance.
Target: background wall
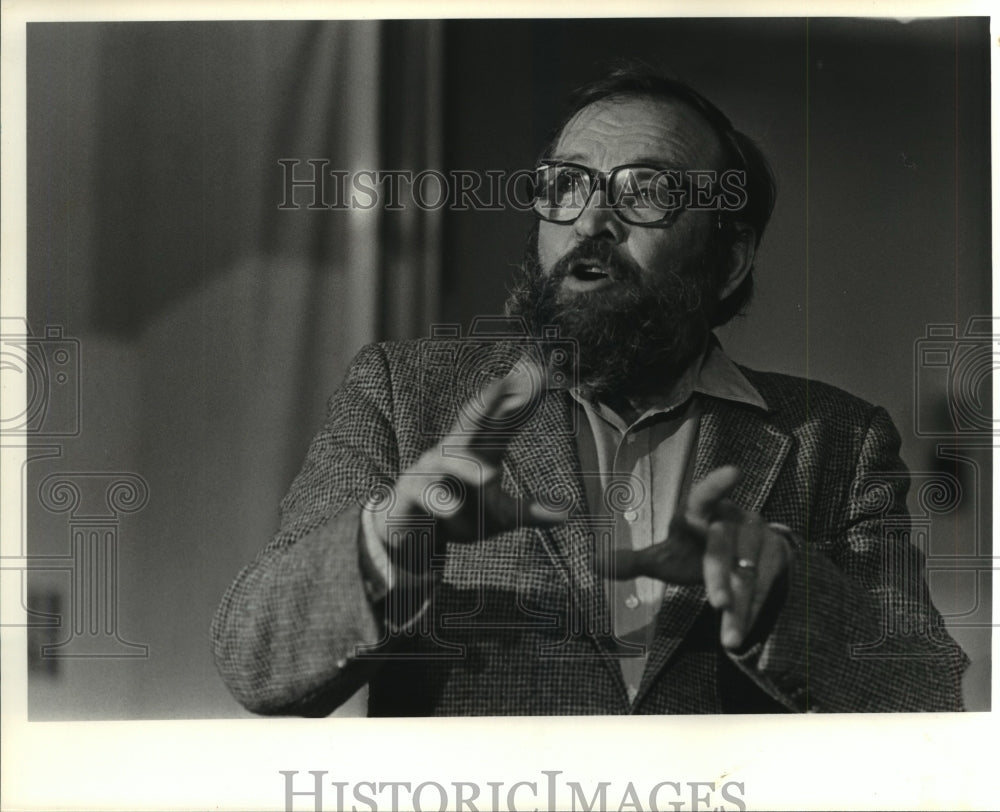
(211, 325)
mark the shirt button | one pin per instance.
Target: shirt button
(630, 439)
(631, 516)
(632, 602)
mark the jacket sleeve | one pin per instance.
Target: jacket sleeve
(857, 631)
(286, 634)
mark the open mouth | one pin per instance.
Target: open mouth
(584, 275)
(589, 273)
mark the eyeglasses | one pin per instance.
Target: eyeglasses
(640, 195)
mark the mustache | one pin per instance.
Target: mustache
(597, 252)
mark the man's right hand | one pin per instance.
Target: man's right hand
(457, 483)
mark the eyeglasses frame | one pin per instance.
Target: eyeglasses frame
(599, 182)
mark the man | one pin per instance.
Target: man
(614, 518)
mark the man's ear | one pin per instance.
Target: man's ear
(739, 259)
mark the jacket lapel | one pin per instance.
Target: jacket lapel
(728, 434)
(543, 463)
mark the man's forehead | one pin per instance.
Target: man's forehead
(631, 129)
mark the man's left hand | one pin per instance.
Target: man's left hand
(734, 552)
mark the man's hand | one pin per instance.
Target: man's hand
(712, 540)
(457, 483)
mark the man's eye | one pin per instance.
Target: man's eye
(638, 195)
(567, 186)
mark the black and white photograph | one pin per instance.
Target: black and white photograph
(620, 379)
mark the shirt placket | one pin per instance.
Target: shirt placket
(635, 602)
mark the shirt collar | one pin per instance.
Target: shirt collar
(712, 374)
(720, 378)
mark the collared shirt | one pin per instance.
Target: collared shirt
(635, 474)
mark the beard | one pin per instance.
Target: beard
(633, 336)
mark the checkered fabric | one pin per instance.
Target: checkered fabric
(518, 623)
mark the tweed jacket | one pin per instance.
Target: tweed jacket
(518, 622)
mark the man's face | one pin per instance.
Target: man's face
(618, 131)
(633, 298)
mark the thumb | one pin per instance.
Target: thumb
(487, 421)
(626, 565)
(537, 514)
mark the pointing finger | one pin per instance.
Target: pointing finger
(743, 584)
(717, 563)
(706, 496)
(487, 420)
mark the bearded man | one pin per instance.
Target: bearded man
(615, 517)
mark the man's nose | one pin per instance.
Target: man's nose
(598, 220)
